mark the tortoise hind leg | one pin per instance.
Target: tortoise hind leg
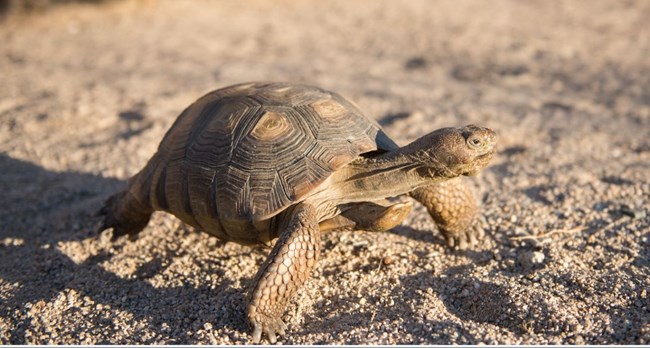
(453, 207)
(125, 214)
(287, 267)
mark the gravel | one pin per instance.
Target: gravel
(89, 89)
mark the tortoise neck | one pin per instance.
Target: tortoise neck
(372, 179)
(389, 174)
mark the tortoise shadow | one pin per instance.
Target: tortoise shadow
(473, 299)
(44, 208)
(435, 238)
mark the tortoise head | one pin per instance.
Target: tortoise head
(455, 151)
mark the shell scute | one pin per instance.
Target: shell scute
(258, 148)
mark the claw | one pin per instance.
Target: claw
(450, 241)
(271, 332)
(282, 330)
(472, 239)
(468, 238)
(462, 243)
(272, 337)
(272, 327)
(480, 233)
(257, 334)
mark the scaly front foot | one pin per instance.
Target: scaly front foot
(286, 268)
(467, 237)
(452, 206)
(271, 324)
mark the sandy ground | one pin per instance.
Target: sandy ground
(87, 91)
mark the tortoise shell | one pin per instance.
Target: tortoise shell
(249, 151)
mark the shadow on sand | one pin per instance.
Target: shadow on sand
(42, 208)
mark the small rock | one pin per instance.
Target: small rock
(632, 212)
(416, 63)
(432, 254)
(388, 260)
(530, 259)
(537, 257)
(360, 244)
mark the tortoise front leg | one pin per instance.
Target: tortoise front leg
(452, 206)
(287, 267)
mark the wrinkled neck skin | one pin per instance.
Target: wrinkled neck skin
(370, 179)
(390, 174)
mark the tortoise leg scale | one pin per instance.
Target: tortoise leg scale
(452, 206)
(287, 267)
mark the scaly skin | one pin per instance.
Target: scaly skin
(287, 267)
(452, 206)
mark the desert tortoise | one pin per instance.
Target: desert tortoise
(253, 162)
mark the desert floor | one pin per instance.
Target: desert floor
(88, 90)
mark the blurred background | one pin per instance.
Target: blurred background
(412, 62)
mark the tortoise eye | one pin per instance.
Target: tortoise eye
(474, 142)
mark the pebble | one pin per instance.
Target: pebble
(432, 254)
(416, 63)
(388, 260)
(529, 259)
(361, 243)
(12, 242)
(632, 212)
